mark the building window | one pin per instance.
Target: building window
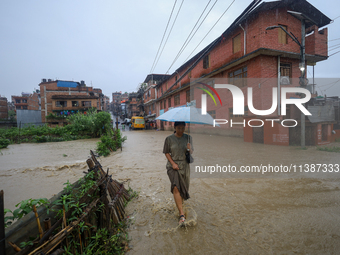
(188, 96)
(177, 99)
(60, 103)
(17, 101)
(169, 102)
(283, 35)
(86, 103)
(238, 117)
(153, 107)
(24, 107)
(24, 101)
(18, 107)
(238, 77)
(164, 104)
(237, 43)
(285, 73)
(161, 105)
(212, 114)
(206, 62)
(75, 103)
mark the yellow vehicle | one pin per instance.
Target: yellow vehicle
(137, 122)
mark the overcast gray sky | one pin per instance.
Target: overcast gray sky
(112, 44)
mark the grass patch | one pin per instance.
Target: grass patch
(80, 126)
(329, 149)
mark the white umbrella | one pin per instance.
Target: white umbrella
(190, 114)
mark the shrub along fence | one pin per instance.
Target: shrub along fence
(87, 218)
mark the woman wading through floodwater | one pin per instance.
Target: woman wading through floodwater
(175, 147)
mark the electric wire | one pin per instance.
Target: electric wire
(334, 53)
(329, 50)
(336, 18)
(185, 44)
(334, 39)
(168, 35)
(327, 84)
(333, 84)
(333, 45)
(210, 30)
(152, 67)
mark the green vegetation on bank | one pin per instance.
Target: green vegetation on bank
(109, 142)
(329, 149)
(86, 238)
(81, 126)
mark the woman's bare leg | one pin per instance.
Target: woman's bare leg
(178, 201)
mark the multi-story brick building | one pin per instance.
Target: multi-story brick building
(27, 101)
(249, 55)
(3, 108)
(131, 105)
(67, 97)
(106, 105)
(150, 94)
(116, 101)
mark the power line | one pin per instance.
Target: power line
(333, 45)
(336, 18)
(328, 84)
(334, 53)
(163, 35)
(327, 51)
(210, 30)
(185, 44)
(334, 48)
(168, 35)
(334, 39)
(323, 90)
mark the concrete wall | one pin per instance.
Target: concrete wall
(27, 117)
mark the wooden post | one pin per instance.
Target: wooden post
(90, 163)
(47, 224)
(2, 224)
(14, 246)
(38, 221)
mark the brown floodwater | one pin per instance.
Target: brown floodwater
(228, 213)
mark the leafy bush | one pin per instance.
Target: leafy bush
(81, 126)
(25, 207)
(40, 139)
(4, 143)
(111, 141)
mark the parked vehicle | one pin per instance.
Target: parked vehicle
(137, 122)
(127, 121)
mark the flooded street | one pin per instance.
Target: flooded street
(230, 213)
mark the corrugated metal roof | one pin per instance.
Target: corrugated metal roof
(67, 84)
(322, 113)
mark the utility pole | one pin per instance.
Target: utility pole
(302, 80)
(302, 67)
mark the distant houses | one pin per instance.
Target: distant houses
(55, 100)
